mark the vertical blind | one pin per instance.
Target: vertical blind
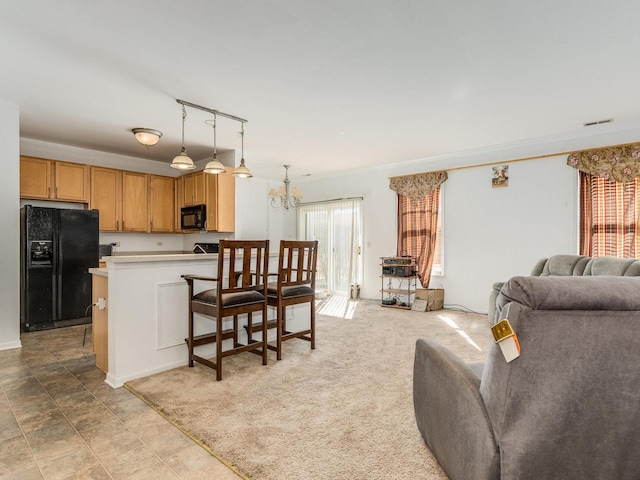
(337, 226)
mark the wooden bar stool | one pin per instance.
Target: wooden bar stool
(240, 288)
(296, 284)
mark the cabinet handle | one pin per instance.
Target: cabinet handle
(48, 192)
(117, 224)
(56, 192)
(122, 225)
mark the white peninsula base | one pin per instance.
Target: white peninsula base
(148, 312)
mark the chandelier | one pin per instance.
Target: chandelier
(286, 196)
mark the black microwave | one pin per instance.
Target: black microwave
(193, 218)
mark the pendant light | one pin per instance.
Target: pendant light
(214, 166)
(242, 171)
(182, 161)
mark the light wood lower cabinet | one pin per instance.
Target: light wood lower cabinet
(100, 323)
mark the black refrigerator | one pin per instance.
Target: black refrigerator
(58, 246)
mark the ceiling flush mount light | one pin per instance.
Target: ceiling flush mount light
(241, 170)
(285, 196)
(214, 166)
(182, 161)
(147, 136)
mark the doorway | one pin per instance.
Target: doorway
(337, 225)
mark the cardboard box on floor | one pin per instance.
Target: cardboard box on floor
(433, 296)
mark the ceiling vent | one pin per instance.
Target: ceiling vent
(589, 124)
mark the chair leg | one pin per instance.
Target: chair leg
(264, 333)
(235, 331)
(190, 339)
(313, 325)
(280, 323)
(219, 348)
(249, 328)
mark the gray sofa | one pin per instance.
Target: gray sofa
(572, 265)
(567, 408)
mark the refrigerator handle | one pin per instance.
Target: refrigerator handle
(57, 284)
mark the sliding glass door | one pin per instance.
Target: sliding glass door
(337, 225)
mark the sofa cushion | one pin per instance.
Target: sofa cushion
(629, 267)
(565, 265)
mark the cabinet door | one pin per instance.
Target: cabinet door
(194, 188)
(135, 211)
(71, 182)
(179, 194)
(199, 188)
(188, 196)
(106, 194)
(161, 203)
(35, 177)
(221, 201)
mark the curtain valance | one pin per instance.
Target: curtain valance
(417, 186)
(620, 163)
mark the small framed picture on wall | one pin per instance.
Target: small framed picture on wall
(500, 176)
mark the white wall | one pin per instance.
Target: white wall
(10, 232)
(490, 234)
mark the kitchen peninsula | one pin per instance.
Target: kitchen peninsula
(147, 311)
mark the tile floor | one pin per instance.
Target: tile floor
(59, 420)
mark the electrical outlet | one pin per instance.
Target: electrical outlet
(159, 244)
(102, 302)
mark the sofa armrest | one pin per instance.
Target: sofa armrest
(450, 414)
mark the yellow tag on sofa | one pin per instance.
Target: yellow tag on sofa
(507, 339)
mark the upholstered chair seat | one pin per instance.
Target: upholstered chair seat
(228, 299)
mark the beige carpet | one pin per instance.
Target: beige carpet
(342, 411)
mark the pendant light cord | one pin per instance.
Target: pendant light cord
(184, 117)
(242, 140)
(215, 154)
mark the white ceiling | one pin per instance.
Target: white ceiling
(325, 85)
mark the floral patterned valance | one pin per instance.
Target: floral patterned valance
(620, 164)
(417, 186)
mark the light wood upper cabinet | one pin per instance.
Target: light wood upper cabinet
(162, 207)
(132, 201)
(135, 209)
(53, 180)
(221, 201)
(122, 199)
(106, 196)
(194, 189)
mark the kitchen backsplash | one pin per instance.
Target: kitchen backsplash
(170, 242)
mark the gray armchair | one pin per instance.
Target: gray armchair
(567, 408)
